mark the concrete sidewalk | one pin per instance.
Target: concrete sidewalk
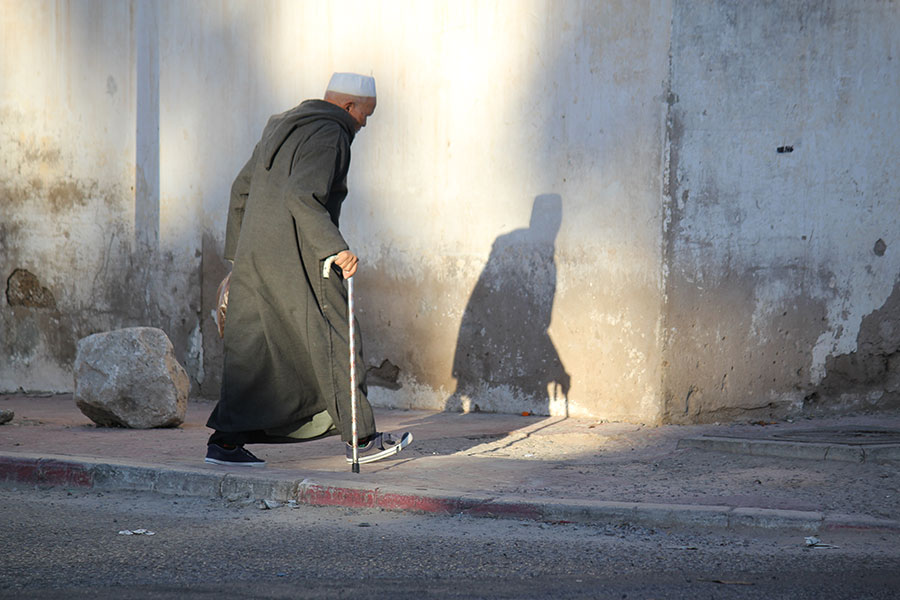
(542, 468)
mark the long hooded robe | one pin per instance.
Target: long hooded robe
(286, 335)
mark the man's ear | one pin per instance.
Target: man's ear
(349, 105)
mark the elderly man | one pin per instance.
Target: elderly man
(287, 373)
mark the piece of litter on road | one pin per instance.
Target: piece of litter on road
(681, 547)
(814, 542)
(364, 524)
(529, 455)
(266, 504)
(136, 532)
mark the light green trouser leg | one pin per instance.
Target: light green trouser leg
(319, 425)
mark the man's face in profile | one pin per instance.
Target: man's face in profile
(361, 111)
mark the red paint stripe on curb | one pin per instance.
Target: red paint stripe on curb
(59, 471)
(23, 470)
(45, 471)
(336, 496)
(318, 495)
(54, 472)
(424, 504)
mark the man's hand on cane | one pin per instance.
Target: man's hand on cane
(348, 262)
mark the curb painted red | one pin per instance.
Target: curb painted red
(45, 471)
(319, 495)
(423, 504)
(323, 495)
(81, 473)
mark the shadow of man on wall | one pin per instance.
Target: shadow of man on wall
(504, 356)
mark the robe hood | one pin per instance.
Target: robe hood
(281, 126)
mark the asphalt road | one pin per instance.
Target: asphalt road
(59, 544)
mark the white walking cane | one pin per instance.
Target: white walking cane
(354, 433)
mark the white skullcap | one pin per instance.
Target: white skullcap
(352, 85)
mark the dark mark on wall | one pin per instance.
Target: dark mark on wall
(687, 399)
(385, 376)
(66, 195)
(879, 248)
(24, 289)
(784, 149)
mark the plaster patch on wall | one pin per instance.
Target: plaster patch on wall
(850, 297)
(870, 374)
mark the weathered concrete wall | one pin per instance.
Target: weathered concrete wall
(67, 164)
(79, 188)
(509, 135)
(561, 207)
(782, 265)
(507, 205)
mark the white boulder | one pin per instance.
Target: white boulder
(130, 378)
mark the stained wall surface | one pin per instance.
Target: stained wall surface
(560, 207)
(67, 177)
(782, 209)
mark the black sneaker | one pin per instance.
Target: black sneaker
(380, 446)
(235, 457)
